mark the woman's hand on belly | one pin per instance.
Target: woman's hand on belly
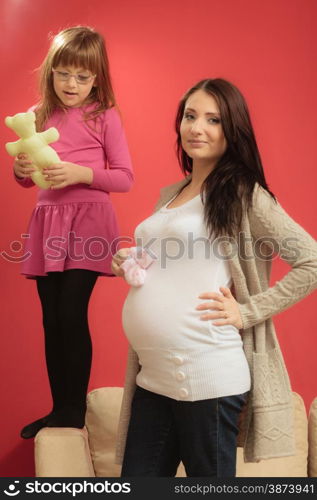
(118, 259)
(225, 307)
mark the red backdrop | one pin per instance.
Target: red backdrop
(157, 50)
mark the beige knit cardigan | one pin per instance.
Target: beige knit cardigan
(266, 427)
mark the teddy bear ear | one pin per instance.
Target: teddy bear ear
(30, 116)
(8, 121)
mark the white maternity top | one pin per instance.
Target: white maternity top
(182, 356)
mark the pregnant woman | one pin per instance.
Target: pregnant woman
(202, 342)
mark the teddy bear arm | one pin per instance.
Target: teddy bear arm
(50, 135)
(14, 148)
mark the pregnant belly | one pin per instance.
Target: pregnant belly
(148, 322)
(155, 321)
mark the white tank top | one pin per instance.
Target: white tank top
(181, 356)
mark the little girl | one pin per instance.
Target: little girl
(73, 227)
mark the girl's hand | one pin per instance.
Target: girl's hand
(65, 174)
(225, 306)
(117, 260)
(22, 166)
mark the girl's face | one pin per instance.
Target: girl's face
(72, 85)
(201, 130)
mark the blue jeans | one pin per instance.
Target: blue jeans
(162, 432)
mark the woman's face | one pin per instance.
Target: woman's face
(201, 130)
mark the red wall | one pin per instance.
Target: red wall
(157, 50)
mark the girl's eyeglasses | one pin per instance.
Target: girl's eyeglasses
(64, 76)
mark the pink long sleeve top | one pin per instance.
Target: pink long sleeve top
(80, 211)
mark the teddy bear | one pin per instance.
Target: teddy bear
(34, 144)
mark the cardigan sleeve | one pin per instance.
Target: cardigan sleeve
(132, 370)
(269, 221)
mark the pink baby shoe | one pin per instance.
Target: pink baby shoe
(135, 266)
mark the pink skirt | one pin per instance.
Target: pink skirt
(71, 236)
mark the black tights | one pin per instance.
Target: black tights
(64, 297)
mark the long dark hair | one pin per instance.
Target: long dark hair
(229, 186)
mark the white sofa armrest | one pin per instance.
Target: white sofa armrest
(312, 439)
(62, 452)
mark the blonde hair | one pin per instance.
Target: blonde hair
(83, 47)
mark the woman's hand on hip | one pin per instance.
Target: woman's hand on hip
(117, 260)
(222, 307)
(66, 174)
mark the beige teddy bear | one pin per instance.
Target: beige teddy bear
(34, 144)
